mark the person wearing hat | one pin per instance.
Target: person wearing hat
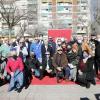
(59, 62)
(15, 69)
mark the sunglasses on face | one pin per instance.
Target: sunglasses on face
(47, 54)
(20, 42)
(59, 50)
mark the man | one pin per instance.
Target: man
(22, 49)
(4, 52)
(51, 46)
(28, 44)
(59, 62)
(97, 53)
(36, 48)
(5, 49)
(47, 63)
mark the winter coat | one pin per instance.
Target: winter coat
(88, 68)
(60, 60)
(32, 63)
(14, 64)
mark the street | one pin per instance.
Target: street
(52, 92)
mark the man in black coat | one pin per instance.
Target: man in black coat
(47, 64)
(97, 54)
(51, 46)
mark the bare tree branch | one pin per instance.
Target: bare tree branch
(10, 13)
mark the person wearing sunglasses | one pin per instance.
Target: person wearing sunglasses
(59, 62)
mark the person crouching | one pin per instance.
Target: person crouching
(47, 65)
(34, 65)
(15, 68)
(59, 62)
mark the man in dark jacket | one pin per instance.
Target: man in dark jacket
(59, 62)
(51, 46)
(47, 65)
(97, 54)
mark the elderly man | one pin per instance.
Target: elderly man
(59, 62)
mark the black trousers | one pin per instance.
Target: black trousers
(97, 65)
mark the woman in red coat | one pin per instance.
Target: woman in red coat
(15, 68)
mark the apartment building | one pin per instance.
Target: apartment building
(55, 14)
(62, 14)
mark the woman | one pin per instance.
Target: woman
(15, 68)
(73, 60)
(86, 70)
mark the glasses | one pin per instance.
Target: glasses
(59, 50)
(20, 42)
(47, 54)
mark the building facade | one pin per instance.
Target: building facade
(62, 14)
(56, 14)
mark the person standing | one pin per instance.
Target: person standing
(51, 46)
(97, 54)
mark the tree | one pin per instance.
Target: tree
(95, 17)
(11, 14)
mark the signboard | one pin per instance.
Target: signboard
(60, 33)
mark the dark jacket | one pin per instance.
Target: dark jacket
(73, 58)
(97, 48)
(88, 68)
(51, 48)
(32, 63)
(28, 48)
(49, 63)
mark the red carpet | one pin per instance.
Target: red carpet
(51, 81)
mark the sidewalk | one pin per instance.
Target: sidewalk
(53, 92)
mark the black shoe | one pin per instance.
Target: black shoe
(88, 85)
(93, 82)
(19, 90)
(58, 80)
(26, 86)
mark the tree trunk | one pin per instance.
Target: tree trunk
(10, 29)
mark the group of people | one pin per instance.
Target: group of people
(76, 60)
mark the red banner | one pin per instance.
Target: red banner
(60, 33)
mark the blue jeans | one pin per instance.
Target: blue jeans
(67, 72)
(16, 81)
(37, 72)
